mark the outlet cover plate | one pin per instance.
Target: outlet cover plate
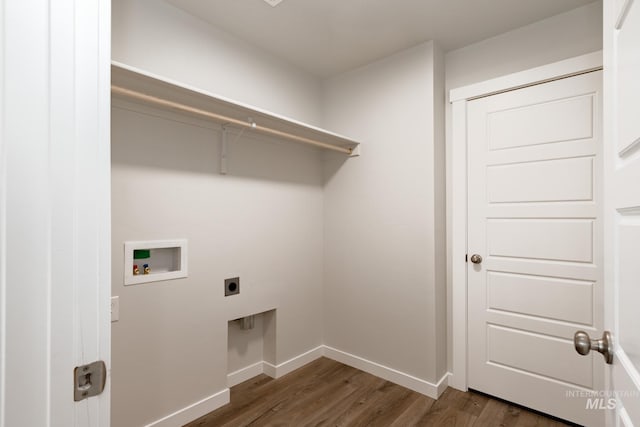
(115, 309)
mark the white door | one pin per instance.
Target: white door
(622, 207)
(535, 202)
(54, 208)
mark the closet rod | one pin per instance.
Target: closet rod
(224, 119)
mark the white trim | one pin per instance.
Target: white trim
(194, 411)
(458, 188)
(416, 384)
(277, 371)
(3, 228)
(389, 374)
(622, 14)
(458, 195)
(244, 374)
(103, 187)
(632, 378)
(442, 385)
(557, 70)
(211, 403)
(625, 379)
(624, 418)
(269, 369)
(214, 402)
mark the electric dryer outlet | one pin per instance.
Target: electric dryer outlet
(232, 286)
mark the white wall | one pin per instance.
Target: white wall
(569, 34)
(245, 347)
(563, 36)
(383, 282)
(366, 239)
(158, 37)
(262, 222)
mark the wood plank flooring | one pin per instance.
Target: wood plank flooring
(328, 393)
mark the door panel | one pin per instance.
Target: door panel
(535, 216)
(542, 123)
(629, 293)
(622, 206)
(541, 296)
(530, 353)
(544, 239)
(565, 180)
(627, 67)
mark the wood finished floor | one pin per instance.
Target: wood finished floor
(328, 393)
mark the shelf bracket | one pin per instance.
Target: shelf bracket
(223, 150)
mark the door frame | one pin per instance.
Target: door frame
(457, 187)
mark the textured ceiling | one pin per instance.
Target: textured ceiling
(325, 37)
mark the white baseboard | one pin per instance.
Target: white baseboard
(241, 375)
(294, 363)
(416, 384)
(194, 411)
(443, 383)
(269, 369)
(274, 371)
(458, 382)
(220, 399)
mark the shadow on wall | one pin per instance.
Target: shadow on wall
(146, 138)
(333, 162)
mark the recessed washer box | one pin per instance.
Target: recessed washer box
(166, 260)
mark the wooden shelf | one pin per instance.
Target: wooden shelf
(129, 83)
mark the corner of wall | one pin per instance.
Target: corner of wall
(384, 212)
(440, 213)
